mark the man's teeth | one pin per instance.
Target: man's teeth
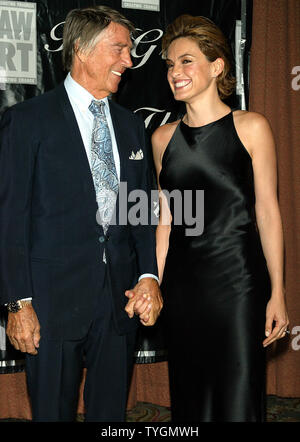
(181, 83)
(117, 73)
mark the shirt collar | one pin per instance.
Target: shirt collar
(80, 95)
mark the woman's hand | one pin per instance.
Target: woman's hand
(277, 320)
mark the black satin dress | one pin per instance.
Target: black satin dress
(215, 285)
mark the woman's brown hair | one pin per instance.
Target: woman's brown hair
(211, 42)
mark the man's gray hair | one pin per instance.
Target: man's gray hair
(83, 26)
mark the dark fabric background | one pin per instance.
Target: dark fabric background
(143, 89)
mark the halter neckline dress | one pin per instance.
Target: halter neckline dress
(215, 285)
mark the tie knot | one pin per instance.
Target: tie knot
(97, 107)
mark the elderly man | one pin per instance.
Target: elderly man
(66, 261)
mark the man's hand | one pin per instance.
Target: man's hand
(23, 330)
(145, 300)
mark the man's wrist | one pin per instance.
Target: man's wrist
(149, 275)
(16, 306)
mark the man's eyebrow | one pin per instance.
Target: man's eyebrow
(123, 45)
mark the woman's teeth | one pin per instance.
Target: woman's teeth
(182, 83)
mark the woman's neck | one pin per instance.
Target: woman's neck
(201, 111)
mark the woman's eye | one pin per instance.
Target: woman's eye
(185, 61)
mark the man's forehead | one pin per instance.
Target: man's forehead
(118, 34)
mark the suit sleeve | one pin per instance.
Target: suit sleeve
(16, 172)
(144, 235)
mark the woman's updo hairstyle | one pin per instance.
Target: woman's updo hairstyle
(211, 42)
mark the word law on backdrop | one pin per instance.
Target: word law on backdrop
(137, 208)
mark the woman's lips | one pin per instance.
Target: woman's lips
(181, 84)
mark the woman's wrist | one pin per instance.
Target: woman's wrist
(278, 292)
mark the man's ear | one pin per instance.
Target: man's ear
(79, 53)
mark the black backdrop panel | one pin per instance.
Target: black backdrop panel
(143, 89)
(145, 86)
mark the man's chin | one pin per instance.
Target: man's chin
(114, 89)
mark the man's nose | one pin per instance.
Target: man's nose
(127, 59)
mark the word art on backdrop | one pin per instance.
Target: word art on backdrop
(18, 59)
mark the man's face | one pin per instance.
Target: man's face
(102, 67)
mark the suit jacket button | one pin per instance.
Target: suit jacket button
(101, 239)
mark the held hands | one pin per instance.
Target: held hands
(23, 330)
(276, 313)
(145, 300)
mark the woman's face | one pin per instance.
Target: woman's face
(189, 72)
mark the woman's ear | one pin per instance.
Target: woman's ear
(217, 67)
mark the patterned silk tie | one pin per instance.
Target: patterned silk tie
(102, 164)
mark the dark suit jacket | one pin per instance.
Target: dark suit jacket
(51, 244)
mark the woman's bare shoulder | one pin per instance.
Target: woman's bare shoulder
(161, 138)
(162, 135)
(254, 131)
(250, 120)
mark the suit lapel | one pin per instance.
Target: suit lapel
(73, 134)
(78, 149)
(121, 134)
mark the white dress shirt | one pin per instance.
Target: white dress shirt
(80, 100)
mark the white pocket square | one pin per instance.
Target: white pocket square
(137, 156)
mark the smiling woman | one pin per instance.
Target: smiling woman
(212, 43)
(223, 289)
(189, 71)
